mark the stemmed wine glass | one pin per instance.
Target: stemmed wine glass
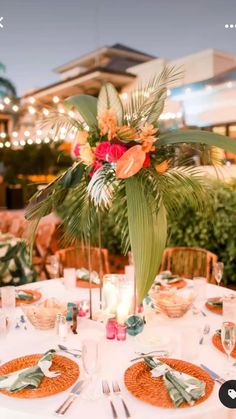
(90, 360)
(228, 339)
(218, 272)
(54, 266)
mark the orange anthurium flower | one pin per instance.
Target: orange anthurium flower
(131, 162)
(107, 123)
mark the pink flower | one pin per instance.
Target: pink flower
(116, 151)
(106, 151)
(76, 150)
(102, 150)
(96, 165)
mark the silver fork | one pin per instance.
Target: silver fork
(206, 330)
(107, 392)
(117, 392)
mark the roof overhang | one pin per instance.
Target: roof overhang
(89, 83)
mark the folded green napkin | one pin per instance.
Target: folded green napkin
(22, 295)
(181, 387)
(29, 377)
(166, 277)
(83, 274)
(217, 303)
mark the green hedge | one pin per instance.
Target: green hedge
(214, 230)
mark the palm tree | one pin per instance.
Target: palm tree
(7, 88)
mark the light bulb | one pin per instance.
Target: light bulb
(56, 99)
(15, 108)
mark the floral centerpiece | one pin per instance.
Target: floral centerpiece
(124, 161)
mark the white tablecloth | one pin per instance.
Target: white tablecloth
(114, 360)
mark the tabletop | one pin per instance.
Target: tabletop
(115, 359)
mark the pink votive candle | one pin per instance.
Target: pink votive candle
(111, 329)
(121, 332)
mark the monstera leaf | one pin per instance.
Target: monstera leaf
(148, 233)
(87, 107)
(109, 99)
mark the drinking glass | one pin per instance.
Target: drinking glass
(229, 307)
(3, 326)
(8, 297)
(228, 339)
(218, 272)
(54, 266)
(90, 360)
(199, 285)
(69, 275)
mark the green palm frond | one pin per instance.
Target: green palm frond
(146, 102)
(56, 120)
(148, 234)
(198, 137)
(101, 186)
(78, 215)
(8, 86)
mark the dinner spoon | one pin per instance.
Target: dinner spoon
(68, 352)
(64, 348)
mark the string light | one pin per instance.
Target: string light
(22, 143)
(26, 133)
(7, 100)
(1, 145)
(39, 132)
(7, 144)
(32, 110)
(32, 100)
(3, 135)
(15, 134)
(124, 96)
(45, 112)
(71, 114)
(46, 140)
(29, 141)
(38, 140)
(15, 108)
(15, 143)
(2, 107)
(56, 99)
(61, 110)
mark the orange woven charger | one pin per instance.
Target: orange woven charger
(36, 296)
(69, 373)
(217, 343)
(142, 385)
(214, 309)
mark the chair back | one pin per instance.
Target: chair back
(78, 257)
(43, 239)
(189, 262)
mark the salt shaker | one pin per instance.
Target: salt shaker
(58, 318)
(62, 328)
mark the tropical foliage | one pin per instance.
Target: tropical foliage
(123, 161)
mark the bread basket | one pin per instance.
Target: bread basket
(43, 316)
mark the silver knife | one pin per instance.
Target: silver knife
(213, 374)
(73, 394)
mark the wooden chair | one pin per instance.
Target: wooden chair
(78, 257)
(42, 248)
(189, 262)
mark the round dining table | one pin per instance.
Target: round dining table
(115, 358)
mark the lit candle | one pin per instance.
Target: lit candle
(123, 312)
(110, 296)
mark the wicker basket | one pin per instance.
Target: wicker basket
(43, 317)
(170, 304)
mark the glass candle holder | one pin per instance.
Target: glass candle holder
(8, 296)
(111, 329)
(229, 308)
(110, 293)
(69, 280)
(121, 332)
(83, 308)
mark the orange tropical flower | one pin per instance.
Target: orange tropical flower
(108, 124)
(162, 167)
(82, 137)
(126, 133)
(86, 154)
(147, 137)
